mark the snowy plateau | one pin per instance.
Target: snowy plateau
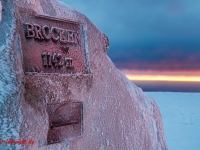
(181, 119)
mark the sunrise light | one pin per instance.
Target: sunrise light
(163, 78)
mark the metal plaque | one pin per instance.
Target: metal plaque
(65, 121)
(52, 45)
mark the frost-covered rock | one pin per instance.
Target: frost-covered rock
(117, 115)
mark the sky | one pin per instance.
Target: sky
(149, 38)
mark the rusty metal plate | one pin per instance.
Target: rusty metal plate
(65, 121)
(52, 45)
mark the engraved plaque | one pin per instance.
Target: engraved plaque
(65, 121)
(51, 45)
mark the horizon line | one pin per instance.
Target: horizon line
(163, 78)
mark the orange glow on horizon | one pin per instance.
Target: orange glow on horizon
(178, 78)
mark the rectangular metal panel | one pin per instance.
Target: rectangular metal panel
(52, 45)
(65, 121)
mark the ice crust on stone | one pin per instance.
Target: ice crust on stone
(10, 114)
(146, 107)
(0, 11)
(69, 8)
(117, 115)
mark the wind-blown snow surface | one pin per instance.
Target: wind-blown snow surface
(181, 119)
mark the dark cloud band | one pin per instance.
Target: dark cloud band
(148, 34)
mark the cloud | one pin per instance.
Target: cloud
(148, 33)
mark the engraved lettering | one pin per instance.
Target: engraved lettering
(77, 38)
(44, 63)
(48, 59)
(38, 32)
(54, 60)
(53, 46)
(70, 37)
(68, 62)
(46, 32)
(59, 57)
(54, 31)
(29, 30)
(63, 36)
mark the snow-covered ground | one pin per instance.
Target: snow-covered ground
(181, 119)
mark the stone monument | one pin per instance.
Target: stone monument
(59, 89)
